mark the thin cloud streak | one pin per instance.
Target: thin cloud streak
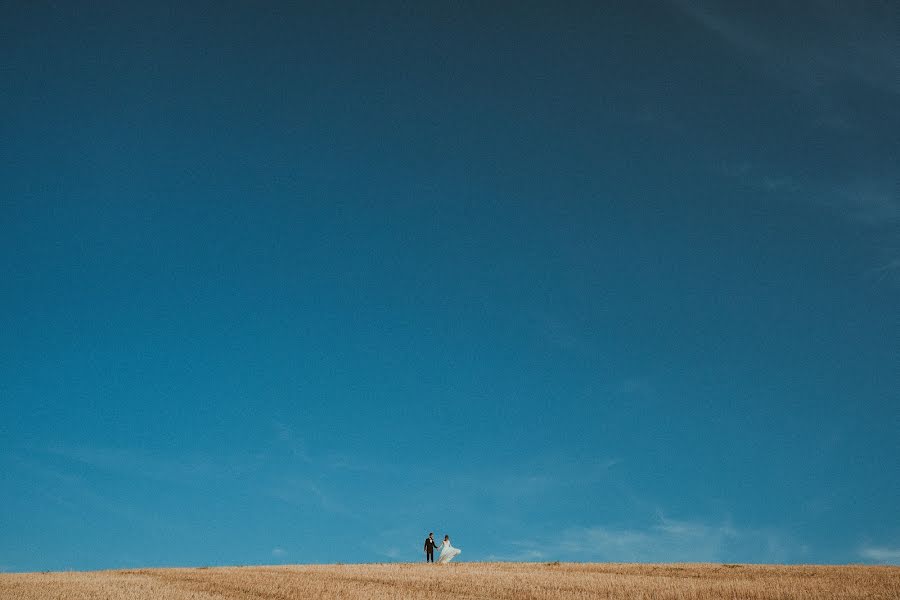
(881, 554)
(890, 268)
(871, 202)
(136, 463)
(867, 202)
(667, 540)
(303, 492)
(853, 41)
(287, 439)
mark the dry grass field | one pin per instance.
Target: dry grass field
(519, 581)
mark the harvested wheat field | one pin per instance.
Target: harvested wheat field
(519, 581)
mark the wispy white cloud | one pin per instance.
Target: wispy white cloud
(870, 201)
(296, 482)
(287, 439)
(533, 482)
(888, 269)
(162, 468)
(867, 200)
(839, 56)
(391, 553)
(558, 331)
(755, 177)
(812, 44)
(669, 540)
(779, 184)
(665, 540)
(71, 493)
(278, 552)
(307, 492)
(881, 554)
(524, 555)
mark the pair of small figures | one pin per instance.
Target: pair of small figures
(447, 551)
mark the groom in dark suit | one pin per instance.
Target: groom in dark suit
(429, 548)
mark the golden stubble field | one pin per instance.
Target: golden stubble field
(519, 581)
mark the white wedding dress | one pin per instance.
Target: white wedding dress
(448, 552)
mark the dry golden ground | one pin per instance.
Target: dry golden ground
(501, 581)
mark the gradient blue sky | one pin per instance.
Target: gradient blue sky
(286, 285)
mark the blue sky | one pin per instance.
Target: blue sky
(289, 285)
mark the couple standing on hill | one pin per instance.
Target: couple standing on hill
(447, 551)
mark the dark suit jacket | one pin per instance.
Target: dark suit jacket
(430, 543)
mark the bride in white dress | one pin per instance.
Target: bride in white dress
(448, 552)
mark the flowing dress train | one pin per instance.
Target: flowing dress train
(448, 552)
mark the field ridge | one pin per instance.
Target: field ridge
(463, 581)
